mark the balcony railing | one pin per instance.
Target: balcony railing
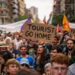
(4, 16)
(15, 11)
(15, 16)
(15, 6)
(5, 1)
(14, 1)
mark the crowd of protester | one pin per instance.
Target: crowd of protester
(22, 56)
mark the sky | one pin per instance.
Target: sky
(44, 7)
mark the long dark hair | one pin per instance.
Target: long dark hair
(43, 59)
(43, 56)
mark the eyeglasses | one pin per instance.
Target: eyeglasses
(24, 65)
(13, 66)
(69, 43)
(59, 68)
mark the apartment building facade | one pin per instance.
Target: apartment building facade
(70, 10)
(10, 10)
(59, 6)
(4, 18)
(22, 7)
(14, 9)
(34, 12)
(65, 6)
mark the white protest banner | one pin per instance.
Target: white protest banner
(13, 27)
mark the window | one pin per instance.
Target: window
(0, 4)
(2, 20)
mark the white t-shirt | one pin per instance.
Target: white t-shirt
(17, 43)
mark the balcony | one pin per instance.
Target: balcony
(15, 11)
(20, 1)
(4, 16)
(15, 16)
(4, 8)
(4, 1)
(22, 13)
(15, 6)
(14, 1)
(22, 6)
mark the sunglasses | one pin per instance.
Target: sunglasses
(25, 65)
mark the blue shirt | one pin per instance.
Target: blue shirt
(31, 60)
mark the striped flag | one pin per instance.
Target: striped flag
(66, 26)
(44, 20)
(50, 22)
(27, 21)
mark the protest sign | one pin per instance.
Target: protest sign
(38, 31)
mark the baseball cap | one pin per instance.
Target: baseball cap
(24, 61)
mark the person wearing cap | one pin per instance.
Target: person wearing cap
(4, 48)
(24, 63)
(23, 50)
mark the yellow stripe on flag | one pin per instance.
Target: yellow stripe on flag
(32, 21)
(65, 24)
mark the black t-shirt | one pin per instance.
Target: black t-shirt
(7, 55)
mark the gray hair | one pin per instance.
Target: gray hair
(47, 65)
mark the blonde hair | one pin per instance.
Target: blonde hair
(11, 61)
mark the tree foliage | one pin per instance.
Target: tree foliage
(57, 19)
(21, 18)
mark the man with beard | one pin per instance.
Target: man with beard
(23, 51)
(69, 47)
